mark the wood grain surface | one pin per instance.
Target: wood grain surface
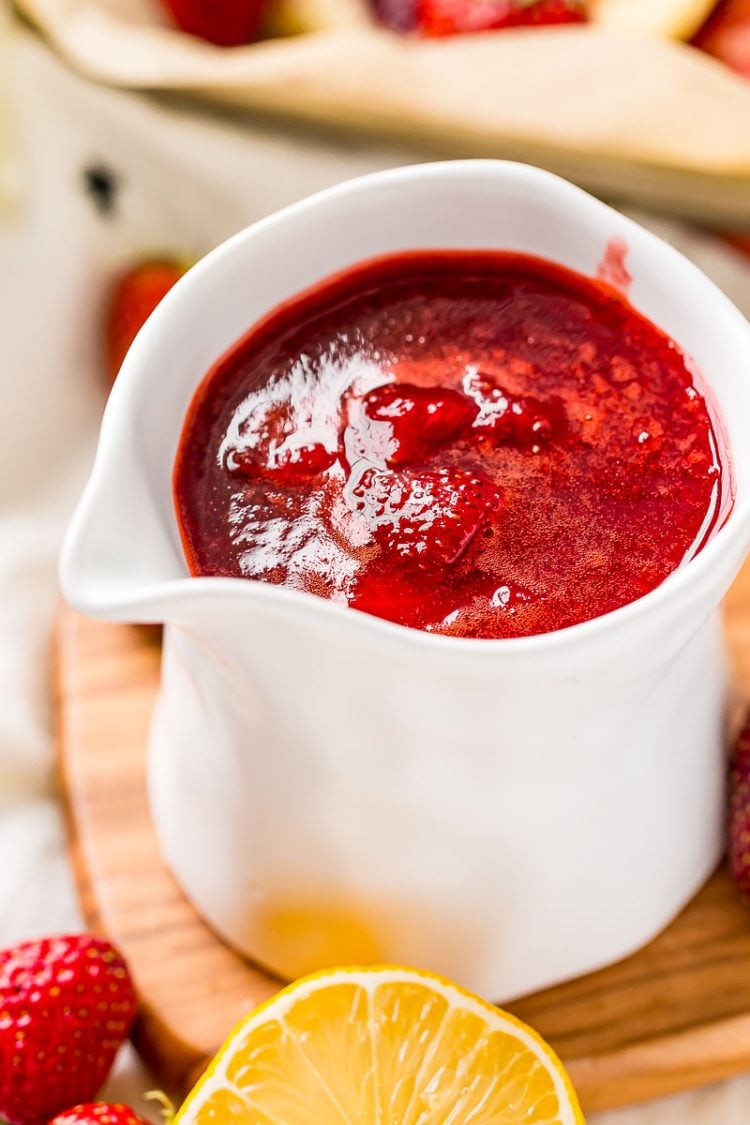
(673, 1016)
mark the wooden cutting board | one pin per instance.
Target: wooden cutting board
(673, 1016)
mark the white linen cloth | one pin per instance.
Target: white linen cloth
(185, 181)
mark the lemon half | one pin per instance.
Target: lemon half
(382, 1046)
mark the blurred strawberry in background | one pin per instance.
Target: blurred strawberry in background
(452, 17)
(739, 812)
(726, 35)
(227, 23)
(740, 242)
(398, 15)
(134, 298)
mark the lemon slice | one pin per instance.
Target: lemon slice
(381, 1046)
(671, 19)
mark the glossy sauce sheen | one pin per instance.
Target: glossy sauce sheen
(475, 444)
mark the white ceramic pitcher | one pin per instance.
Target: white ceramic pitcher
(329, 787)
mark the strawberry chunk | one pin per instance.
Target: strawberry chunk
(453, 17)
(287, 465)
(274, 442)
(427, 518)
(419, 419)
(305, 460)
(512, 419)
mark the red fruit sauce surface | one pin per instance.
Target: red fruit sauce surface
(474, 444)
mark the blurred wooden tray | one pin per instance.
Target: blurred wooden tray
(631, 117)
(673, 1016)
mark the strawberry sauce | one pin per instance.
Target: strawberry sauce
(475, 444)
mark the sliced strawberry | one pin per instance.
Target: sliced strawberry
(418, 419)
(739, 812)
(453, 17)
(428, 518)
(227, 23)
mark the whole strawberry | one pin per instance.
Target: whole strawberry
(66, 1005)
(99, 1113)
(135, 296)
(739, 812)
(227, 23)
